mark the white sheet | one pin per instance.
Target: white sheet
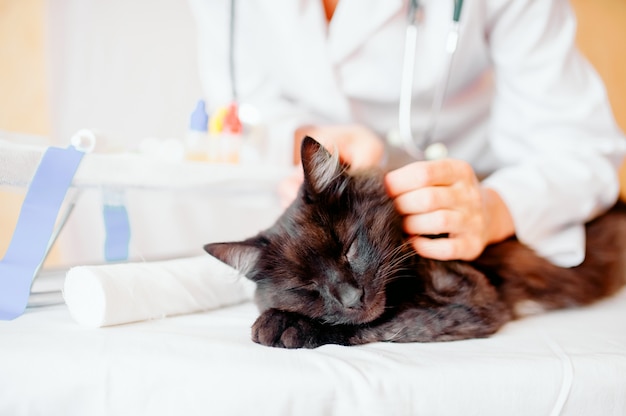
(567, 362)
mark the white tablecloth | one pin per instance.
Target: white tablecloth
(565, 362)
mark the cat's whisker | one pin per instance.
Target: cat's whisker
(395, 265)
(395, 269)
(306, 286)
(399, 249)
(394, 259)
(395, 335)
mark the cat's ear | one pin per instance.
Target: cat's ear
(242, 256)
(319, 165)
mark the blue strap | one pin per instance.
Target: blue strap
(34, 228)
(117, 227)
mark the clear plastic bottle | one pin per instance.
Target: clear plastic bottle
(231, 135)
(197, 143)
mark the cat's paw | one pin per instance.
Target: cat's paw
(277, 328)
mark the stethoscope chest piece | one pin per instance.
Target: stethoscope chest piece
(436, 151)
(432, 151)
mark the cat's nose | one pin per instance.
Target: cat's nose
(350, 296)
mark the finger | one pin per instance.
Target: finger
(444, 248)
(424, 200)
(431, 223)
(426, 173)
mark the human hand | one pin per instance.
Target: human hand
(445, 197)
(357, 146)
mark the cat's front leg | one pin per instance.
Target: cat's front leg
(282, 329)
(458, 303)
(446, 323)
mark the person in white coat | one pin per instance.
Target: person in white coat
(523, 110)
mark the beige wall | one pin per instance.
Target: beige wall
(23, 105)
(602, 37)
(23, 99)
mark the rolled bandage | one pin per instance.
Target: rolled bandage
(114, 294)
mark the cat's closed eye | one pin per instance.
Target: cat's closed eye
(356, 258)
(351, 254)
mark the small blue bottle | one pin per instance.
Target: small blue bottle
(197, 143)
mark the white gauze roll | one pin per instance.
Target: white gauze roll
(114, 294)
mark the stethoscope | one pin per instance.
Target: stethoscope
(423, 148)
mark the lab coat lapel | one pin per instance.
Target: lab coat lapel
(355, 20)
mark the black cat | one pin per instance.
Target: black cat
(336, 268)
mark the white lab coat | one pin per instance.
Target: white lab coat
(523, 106)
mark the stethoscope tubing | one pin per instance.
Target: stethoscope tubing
(231, 51)
(416, 148)
(406, 92)
(412, 146)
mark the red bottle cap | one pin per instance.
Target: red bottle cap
(232, 124)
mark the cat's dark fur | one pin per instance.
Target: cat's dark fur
(336, 268)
